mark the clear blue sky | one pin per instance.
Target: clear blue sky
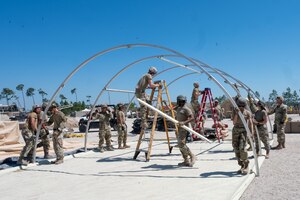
(42, 41)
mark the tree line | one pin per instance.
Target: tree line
(10, 95)
(290, 96)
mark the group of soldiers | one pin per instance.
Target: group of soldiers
(256, 115)
(29, 133)
(104, 117)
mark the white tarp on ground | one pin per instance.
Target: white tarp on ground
(9, 133)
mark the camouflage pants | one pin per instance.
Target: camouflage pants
(57, 138)
(122, 135)
(239, 143)
(280, 133)
(181, 140)
(195, 104)
(263, 136)
(104, 134)
(29, 138)
(45, 142)
(143, 109)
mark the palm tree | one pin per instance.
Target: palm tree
(43, 94)
(8, 94)
(73, 91)
(20, 87)
(62, 98)
(88, 99)
(30, 93)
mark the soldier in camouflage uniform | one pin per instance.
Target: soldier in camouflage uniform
(140, 92)
(59, 119)
(239, 135)
(29, 135)
(122, 128)
(260, 120)
(44, 132)
(280, 121)
(104, 128)
(184, 115)
(195, 96)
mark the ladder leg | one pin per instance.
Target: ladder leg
(137, 149)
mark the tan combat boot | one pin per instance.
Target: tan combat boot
(120, 147)
(193, 160)
(126, 146)
(185, 163)
(245, 169)
(109, 148)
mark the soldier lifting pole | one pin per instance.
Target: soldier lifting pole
(172, 120)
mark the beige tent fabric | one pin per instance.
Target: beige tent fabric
(9, 132)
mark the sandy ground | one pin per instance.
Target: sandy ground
(280, 175)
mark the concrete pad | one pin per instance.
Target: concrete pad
(115, 175)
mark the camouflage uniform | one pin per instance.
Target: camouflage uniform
(104, 129)
(140, 92)
(45, 143)
(122, 129)
(59, 119)
(194, 100)
(29, 134)
(239, 139)
(280, 121)
(261, 128)
(182, 114)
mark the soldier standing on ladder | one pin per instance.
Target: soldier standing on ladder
(184, 115)
(195, 96)
(140, 92)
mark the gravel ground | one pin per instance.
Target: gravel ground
(279, 175)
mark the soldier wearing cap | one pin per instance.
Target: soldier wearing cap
(239, 135)
(44, 132)
(184, 115)
(280, 121)
(29, 134)
(260, 120)
(122, 128)
(140, 92)
(104, 117)
(195, 97)
(59, 119)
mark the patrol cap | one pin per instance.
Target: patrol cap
(35, 107)
(52, 106)
(216, 101)
(104, 106)
(241, 102)
(181, 98)
(120, 105)
(280, 98)
(261, 104)
(152, 70)
(196, 84)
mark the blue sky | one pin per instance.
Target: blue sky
(43, 41)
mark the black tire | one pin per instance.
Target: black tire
(82, 128)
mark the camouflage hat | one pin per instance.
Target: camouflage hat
(241, 102)
(261, 104)
(119, 105)
(35, 107)
(280, 98)
(104, 106)
(52, 106)
(196, 84)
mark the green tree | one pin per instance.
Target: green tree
(43, 94)
(30, 93)
(74, 91)
(62, 99)
(20, 87)
(88, 101)
(221, 99)
(8, 94)
(288, 96)
(272, 96)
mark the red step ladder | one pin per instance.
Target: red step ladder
(198, 120)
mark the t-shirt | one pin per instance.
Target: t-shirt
(182, 113)
(143, 83)
(247, 116)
